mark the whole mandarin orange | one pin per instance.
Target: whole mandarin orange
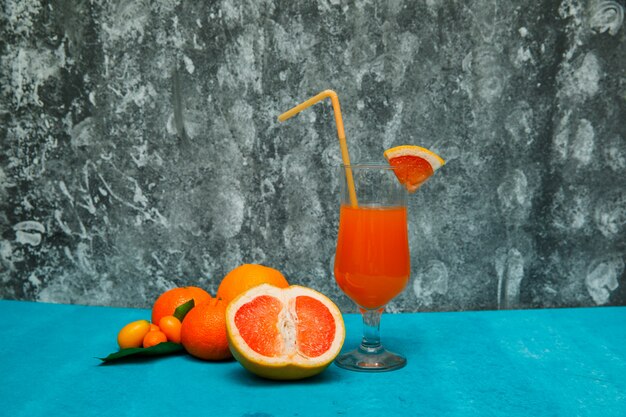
(203, 332)
(167, 302)
(247, 276)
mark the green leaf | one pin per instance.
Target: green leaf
(182, 310)
(161, 349)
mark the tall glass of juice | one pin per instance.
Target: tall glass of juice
(372, 263)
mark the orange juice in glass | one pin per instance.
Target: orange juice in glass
(372, 263)
(372, 258)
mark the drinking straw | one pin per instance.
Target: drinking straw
(343, 145)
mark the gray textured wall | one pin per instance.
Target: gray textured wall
(140, 147)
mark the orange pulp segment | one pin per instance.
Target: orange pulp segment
(257, 321)
(413, 165)
(315, 329)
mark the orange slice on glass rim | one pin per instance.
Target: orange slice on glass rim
(413, 165)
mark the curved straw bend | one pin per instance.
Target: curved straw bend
(345, 156)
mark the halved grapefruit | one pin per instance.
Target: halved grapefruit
(413, 165)
(284, 333)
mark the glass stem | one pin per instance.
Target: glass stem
(371, 331)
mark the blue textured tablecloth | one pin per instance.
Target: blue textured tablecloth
(568, 362)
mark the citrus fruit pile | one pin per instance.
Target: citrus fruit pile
(274, 330)
(413, 165)
(166, 325)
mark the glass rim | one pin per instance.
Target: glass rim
(371, 165)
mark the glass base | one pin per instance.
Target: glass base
(366, 360)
